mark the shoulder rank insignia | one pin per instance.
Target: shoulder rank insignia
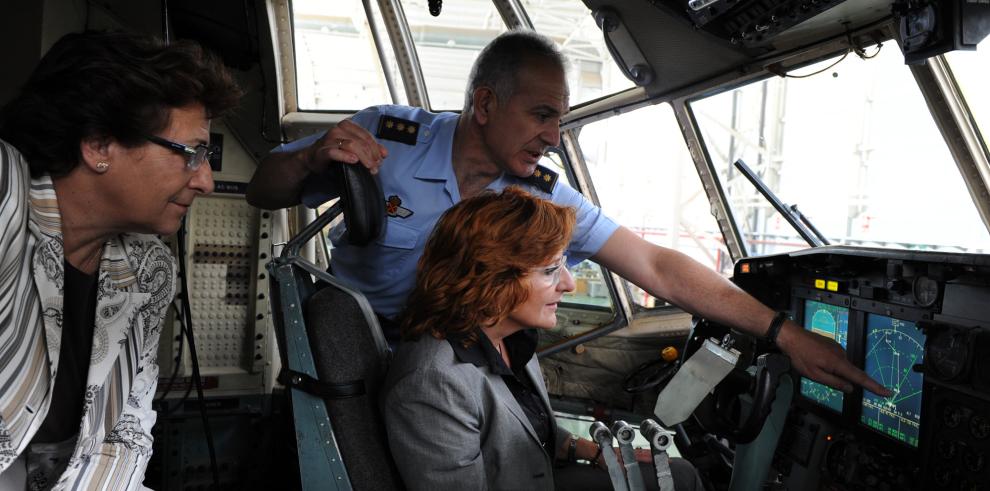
(396, 129)
(544, 179)
(394, 208)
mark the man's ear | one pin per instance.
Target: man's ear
(93, 150)
(484, 104)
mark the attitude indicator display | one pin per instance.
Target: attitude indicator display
(893, 348)
(831, 321)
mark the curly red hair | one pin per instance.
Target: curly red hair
(472, 271)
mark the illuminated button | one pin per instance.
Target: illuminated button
(669, 354)
(820, 284)
(744, 268)
(832, 286)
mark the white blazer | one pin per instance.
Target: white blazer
(136, 283)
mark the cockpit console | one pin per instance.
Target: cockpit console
(918, 322)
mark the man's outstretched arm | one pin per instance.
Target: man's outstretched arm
(671, 275)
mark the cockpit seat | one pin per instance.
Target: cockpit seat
(333, 351)
(348, 347)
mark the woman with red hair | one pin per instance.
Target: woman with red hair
(464, 402)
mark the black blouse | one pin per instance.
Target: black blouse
(521, 346)
(78, 323)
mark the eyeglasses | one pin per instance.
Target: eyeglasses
(195, 156)
(550, 275)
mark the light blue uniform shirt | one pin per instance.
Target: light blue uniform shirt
(419, 181)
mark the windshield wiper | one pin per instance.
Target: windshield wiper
(801, 223)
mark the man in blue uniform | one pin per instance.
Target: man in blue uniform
(427, 162)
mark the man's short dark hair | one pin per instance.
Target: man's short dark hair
(499, 62)
(109, 85)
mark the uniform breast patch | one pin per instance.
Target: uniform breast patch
(398, 130)
(394, 208)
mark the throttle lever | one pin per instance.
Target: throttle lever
(603, 437)
(625, 434)
(660, 440)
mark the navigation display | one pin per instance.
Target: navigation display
(832, 322)
(893, 347)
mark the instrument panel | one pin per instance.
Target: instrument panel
(918, 322)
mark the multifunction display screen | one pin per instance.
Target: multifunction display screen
(832, 322)
(893, 348)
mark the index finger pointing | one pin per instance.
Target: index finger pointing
(860, 378)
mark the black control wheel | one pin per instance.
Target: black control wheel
(650, 375)
(721, 411)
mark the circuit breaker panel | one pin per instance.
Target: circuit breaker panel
(226, 246)
(221, 286)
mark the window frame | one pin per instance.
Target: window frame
(933, 77)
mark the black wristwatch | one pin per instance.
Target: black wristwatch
(775, 325)
(572, 449)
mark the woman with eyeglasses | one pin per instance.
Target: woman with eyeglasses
(464, 401)
(103, 150)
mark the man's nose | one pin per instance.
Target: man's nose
(551, 134)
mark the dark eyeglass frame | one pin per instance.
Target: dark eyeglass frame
(195, 156)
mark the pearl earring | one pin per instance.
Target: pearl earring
(102, 166)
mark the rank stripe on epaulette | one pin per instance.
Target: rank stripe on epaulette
(398, 129)
(544, 179)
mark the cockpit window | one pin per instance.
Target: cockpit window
(589, 282)
(447, 45)
(337, 64)
(853, 146)
(592, 73)
(645, 180)
(971, 70)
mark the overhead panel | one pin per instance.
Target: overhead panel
(679, 54)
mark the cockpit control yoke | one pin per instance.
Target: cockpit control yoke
(694, 380)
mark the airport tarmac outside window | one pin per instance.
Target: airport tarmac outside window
(337, 64)
(856, 149)
(971, 70)
(645, 180)
(592, 72)
(447, 45)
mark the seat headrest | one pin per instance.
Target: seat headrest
(362, 204)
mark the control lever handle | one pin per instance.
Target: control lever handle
(660, 440)
(603, 437)
(625, 434)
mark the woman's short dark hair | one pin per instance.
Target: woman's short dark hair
(109, 85)
(472, 271)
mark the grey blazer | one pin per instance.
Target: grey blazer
(454, 425)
